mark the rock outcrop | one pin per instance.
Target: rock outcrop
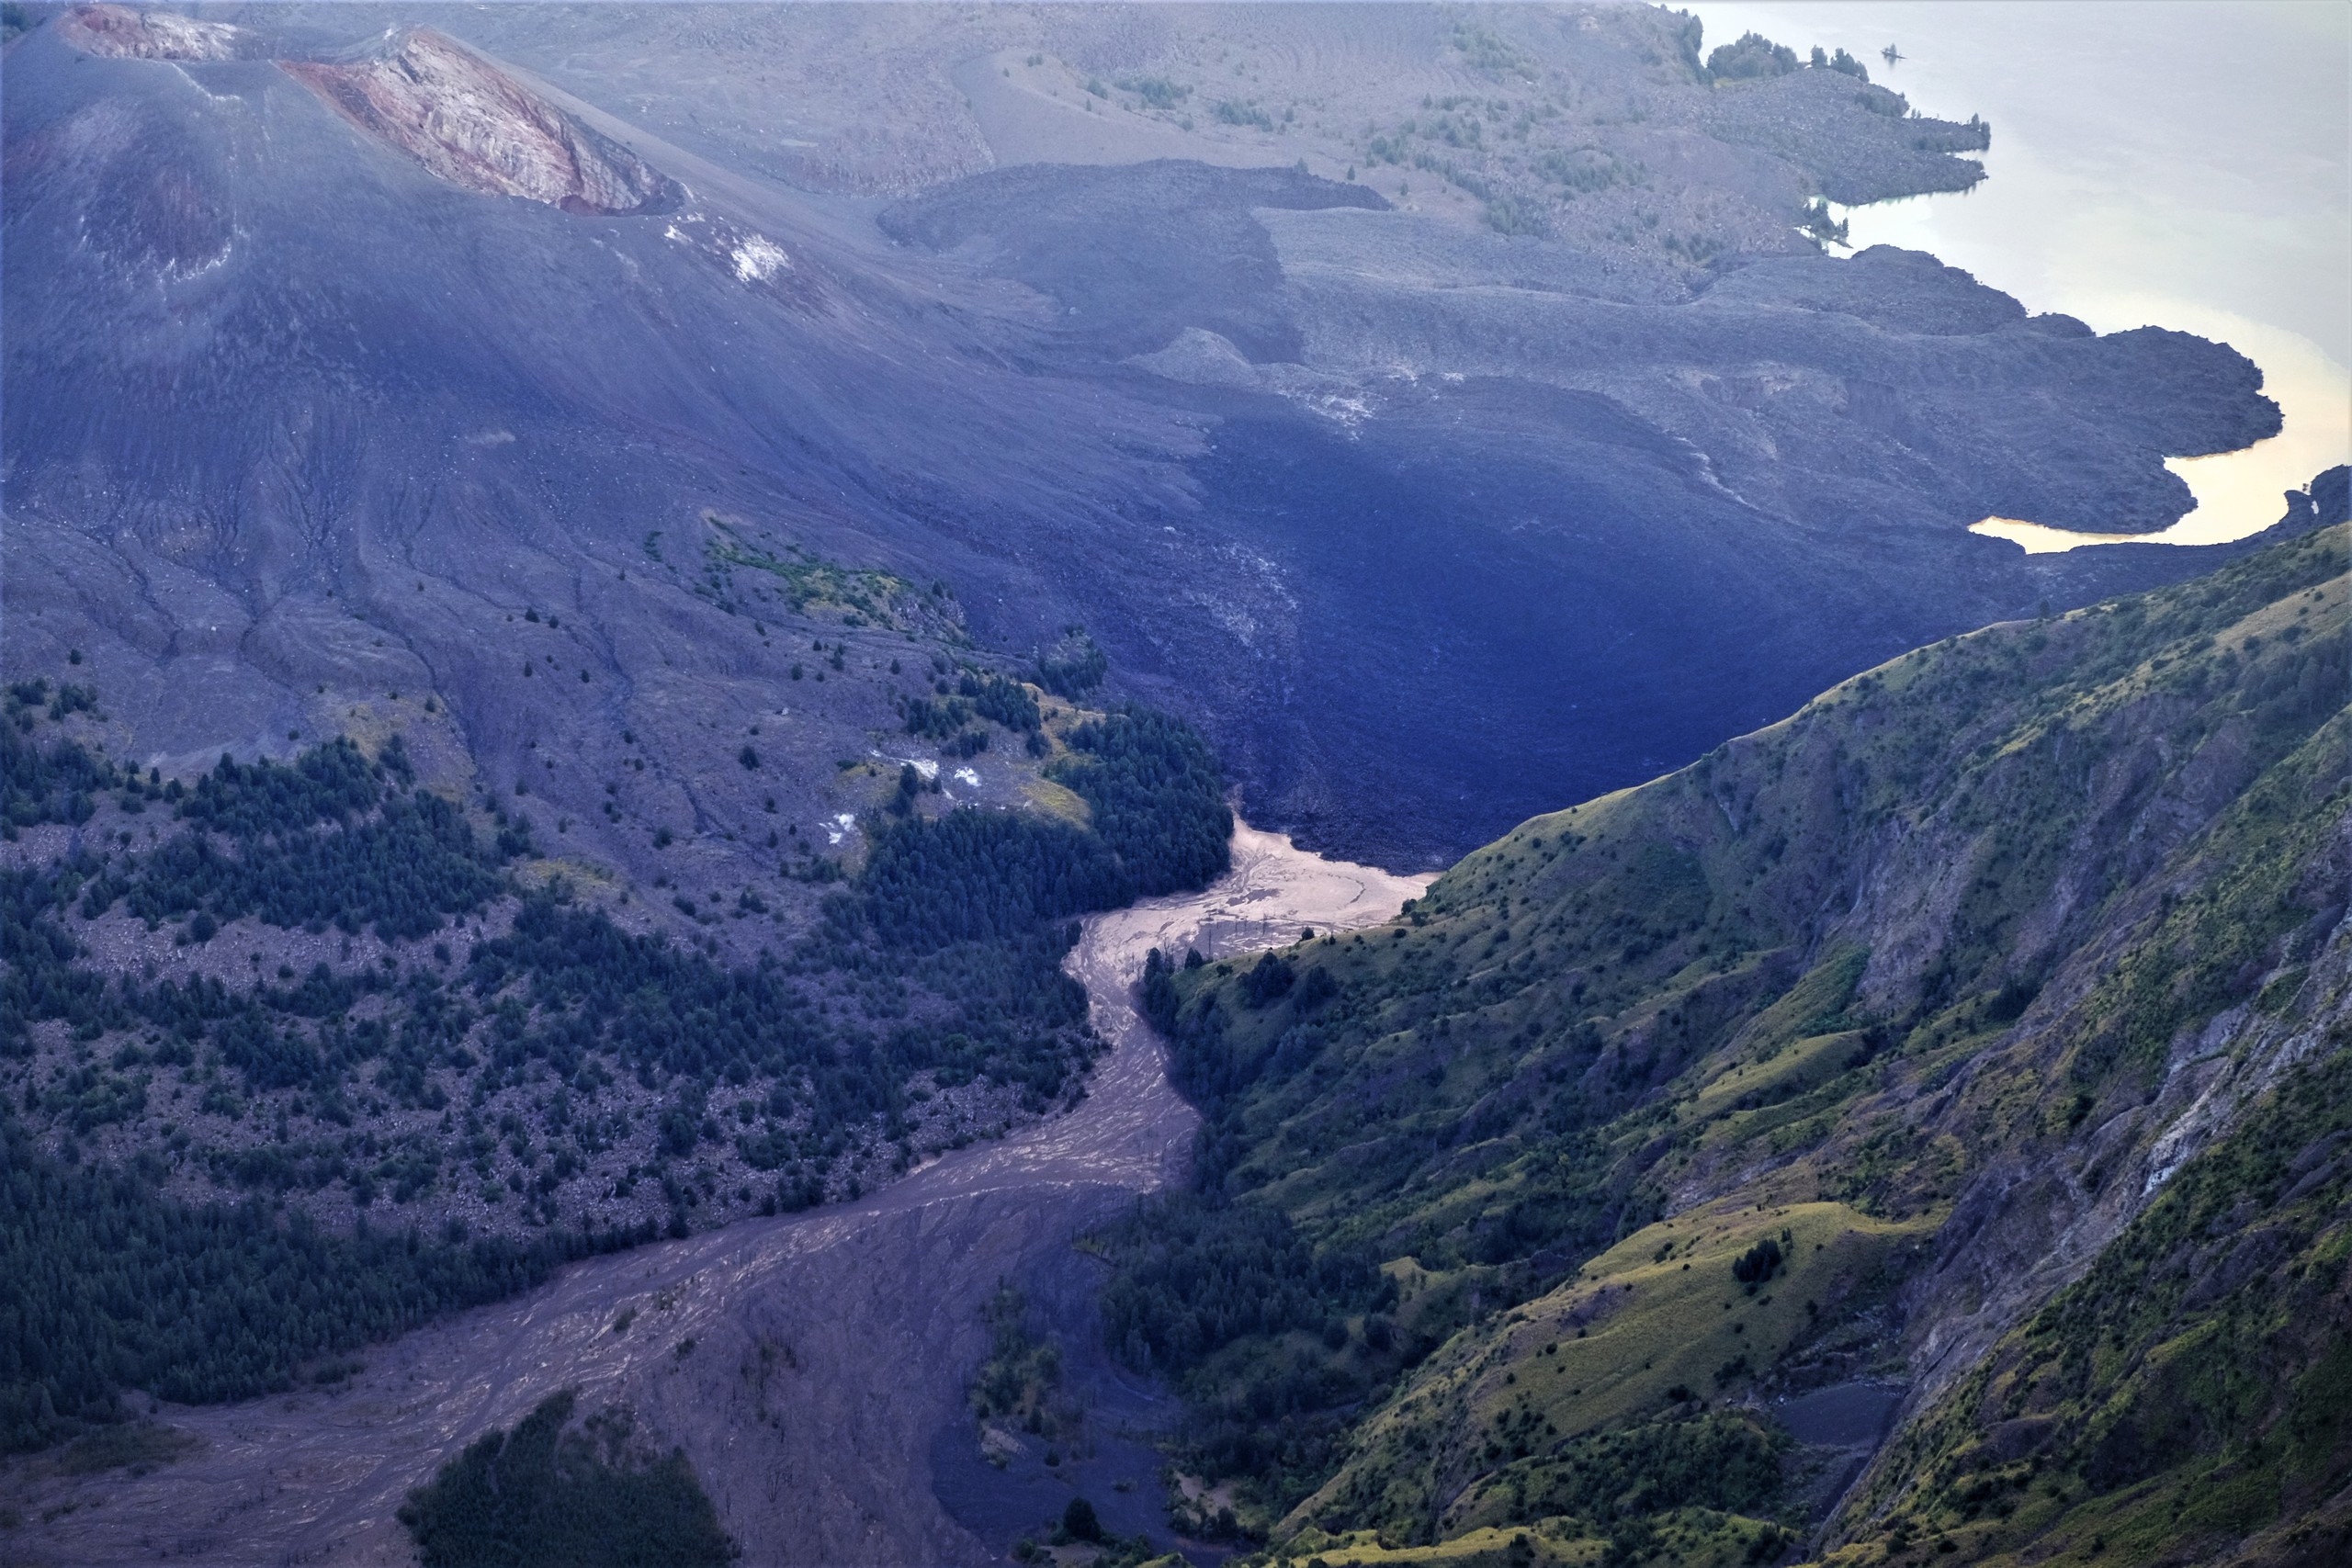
(479, 129)
(117, 32)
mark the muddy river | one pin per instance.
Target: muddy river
(812, 1368)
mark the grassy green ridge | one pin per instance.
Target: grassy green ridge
(1951, 919)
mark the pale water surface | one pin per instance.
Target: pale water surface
(2177, 164)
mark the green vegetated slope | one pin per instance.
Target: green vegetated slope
(1795, 1067)
(2189, 1400)
(505, 1022)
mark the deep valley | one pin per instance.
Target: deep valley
(639, 648)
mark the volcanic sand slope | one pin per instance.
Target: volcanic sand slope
(1691, 482)
(1835, 1056)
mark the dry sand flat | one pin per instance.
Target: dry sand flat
(804, 1364)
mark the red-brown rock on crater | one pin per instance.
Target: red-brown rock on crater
(477, 127)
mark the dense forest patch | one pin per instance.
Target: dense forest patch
(1158, 822)
(115, 1287)
(504, 1059)
(549, 1493)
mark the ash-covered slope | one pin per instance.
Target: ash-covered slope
(1700, 1130)
(336, 345)
(306, 429)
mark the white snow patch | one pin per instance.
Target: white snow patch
(758, 259)
(966, 776)
(839, 826)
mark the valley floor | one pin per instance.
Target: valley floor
(803, 1364)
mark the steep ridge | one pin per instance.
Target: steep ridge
(420, 93)
(2187, 1400)
(1701, 1129)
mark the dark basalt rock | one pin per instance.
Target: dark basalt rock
(1807, 116)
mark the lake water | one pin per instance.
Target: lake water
(2175, 164)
